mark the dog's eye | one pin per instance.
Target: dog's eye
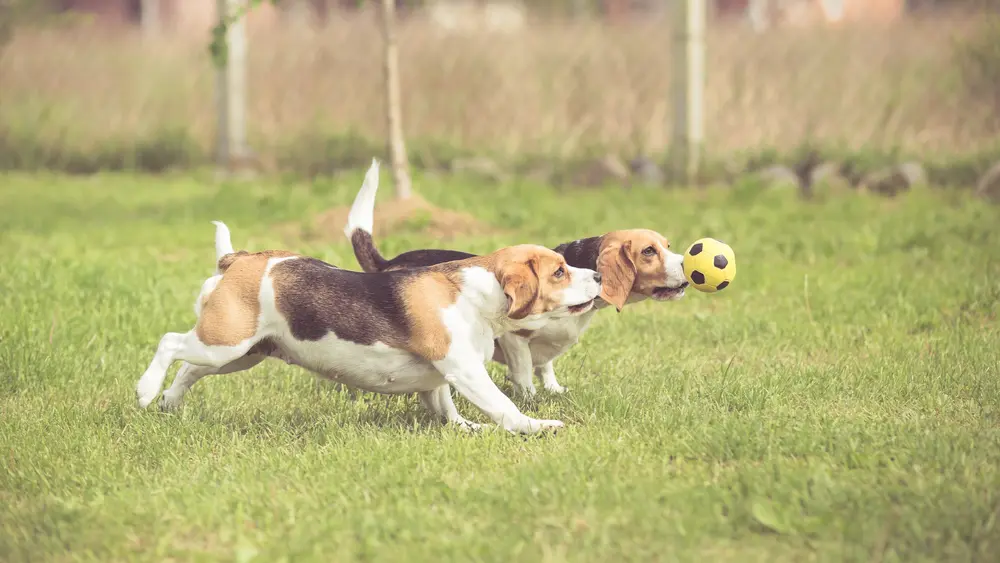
(559, 273)
(649, 251)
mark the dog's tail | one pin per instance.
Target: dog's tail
(360, 221)
(224, 253)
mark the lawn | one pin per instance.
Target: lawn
(840, 401)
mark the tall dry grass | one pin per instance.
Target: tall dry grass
(558, 88)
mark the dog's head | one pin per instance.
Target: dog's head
(638, 264)
(538, 283)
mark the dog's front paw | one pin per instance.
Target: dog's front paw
(555, 388)
(467, 425)
(536, 426)
(144, 396)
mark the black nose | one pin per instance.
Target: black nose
(683, 285)
(597, 277)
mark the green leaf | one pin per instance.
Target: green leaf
(764, 513)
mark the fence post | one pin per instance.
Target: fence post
(688, 88)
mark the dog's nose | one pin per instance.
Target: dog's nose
(597, 277)
(683, 285)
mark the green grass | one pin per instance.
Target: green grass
(840, 401)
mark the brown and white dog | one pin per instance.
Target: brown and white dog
(634, 265)
(416, 330)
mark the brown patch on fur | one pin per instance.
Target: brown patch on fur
(229, 314)
(626, 266)
(527, 274)
(524, 333)
(424, 298)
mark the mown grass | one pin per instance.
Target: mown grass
(841, 401)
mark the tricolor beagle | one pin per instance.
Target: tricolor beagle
(634, 265)
(417, 330)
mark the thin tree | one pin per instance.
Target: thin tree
(393, 109)
(689, 87)
(149, 18)
(229, 49)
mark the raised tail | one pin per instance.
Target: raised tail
(360, 221)
(223, 247)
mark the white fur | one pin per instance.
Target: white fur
(472, 322)
(362, 214)
(223, 240)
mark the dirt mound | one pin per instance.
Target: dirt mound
(413, 215)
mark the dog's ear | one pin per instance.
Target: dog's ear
(617, 273)
(520, 285)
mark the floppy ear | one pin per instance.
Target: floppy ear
(521, 288)
(617, 273)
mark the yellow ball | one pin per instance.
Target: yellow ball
(709, 265)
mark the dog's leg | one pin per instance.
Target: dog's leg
(465, 371)
(439, 401)
(547, 374)
(189, 374)
(175, 346)
(517, 356)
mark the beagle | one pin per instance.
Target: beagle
(634, 265)
(415, 330)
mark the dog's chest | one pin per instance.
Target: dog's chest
(556, 337)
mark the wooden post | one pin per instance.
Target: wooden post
(689, 88)
(231, 90)
(393, 110)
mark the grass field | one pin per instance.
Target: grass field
(840, 401)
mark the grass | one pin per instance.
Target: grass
(559, 88)
(839, 402)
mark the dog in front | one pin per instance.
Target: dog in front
(634, 265)
(418, 330)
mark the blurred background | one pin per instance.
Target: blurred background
(570, 92)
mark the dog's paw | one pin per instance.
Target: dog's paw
(527, 390)
(467, 425)
(536, 426)
(169, 403)
(555, 388)
(144, 397)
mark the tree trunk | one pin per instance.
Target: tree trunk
(231, 90)
(689, 88)
(394, 113)
(149, 18)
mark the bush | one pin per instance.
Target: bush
(978, 61)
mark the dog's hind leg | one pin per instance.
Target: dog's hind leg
(189, 374)
(186, 347)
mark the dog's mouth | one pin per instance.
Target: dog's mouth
(581, 308)
(665, 293)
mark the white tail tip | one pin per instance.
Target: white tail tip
(362, 215)
(223, 240)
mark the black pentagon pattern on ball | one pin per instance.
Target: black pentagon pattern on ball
(697, 277)
(696, 249)
(722, 286)
(720, 262)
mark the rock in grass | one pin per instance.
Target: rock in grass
(914, 172)
(605, 171)
(989, 185)
(779, 176)
(645, 171)
(825, 179)
(889, 182)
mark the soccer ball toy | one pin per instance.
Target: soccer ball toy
(709, 265)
